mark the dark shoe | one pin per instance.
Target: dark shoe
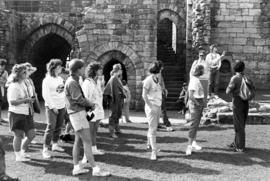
(8, 178)
(66, 138)
(232, 145)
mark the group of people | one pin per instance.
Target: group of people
(205, 71)
(79, 103)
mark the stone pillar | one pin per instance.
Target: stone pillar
(198, 22)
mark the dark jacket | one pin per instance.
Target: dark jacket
(114, 90)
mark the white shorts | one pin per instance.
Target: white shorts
(78, 120)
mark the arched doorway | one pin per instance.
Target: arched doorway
(110, 58)
(46, 48)
(108, 67)
(171, 51)
(166, 41)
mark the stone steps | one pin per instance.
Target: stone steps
(253, 118)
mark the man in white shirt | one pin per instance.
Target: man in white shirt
(213, 60)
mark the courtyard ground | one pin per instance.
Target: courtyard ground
(127, 158)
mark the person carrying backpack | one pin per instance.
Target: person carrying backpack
(240, 105)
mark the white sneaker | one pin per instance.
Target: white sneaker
(97, 152)
(189, 150)
(153, 155)
(169, 129)
(216, 96)
(195, 146)
(34, 142)
(25, 155)
(56, 147)
(46, 154)
(21, 159)
(84, 160)
(99, 173)
(79, 170)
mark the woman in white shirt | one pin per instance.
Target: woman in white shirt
(93, 91)
(54, 97)
(196, 104)
(20, 112)
(152, 95)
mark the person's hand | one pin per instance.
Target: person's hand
(28, 100)
(93, 106)
(223, 54)
(55, 110)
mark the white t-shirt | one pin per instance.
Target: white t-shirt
(204, 64)
(196, 86)
(153, 91)
(53, 92)
(94, 94)
(17, 91)
(213, 60)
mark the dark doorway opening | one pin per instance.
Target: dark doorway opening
(108, 67)
(48, 47)
(166, 41)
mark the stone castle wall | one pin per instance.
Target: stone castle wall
(129, 27)
(242, 28)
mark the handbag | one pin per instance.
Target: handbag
(36, 105)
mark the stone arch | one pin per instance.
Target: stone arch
(42, 31)
(226, 72)
(173, 8)
(131, 60)
(171, 15)
(37, 20)
(106, 47)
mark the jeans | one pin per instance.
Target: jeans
(240, 114)
(195, 117)
(213, 81)
(54, 125)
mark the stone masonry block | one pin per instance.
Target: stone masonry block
(249, 49)
(240, 41)
(264, 65)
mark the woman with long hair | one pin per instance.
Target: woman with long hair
(94, 93)
(20, 112)
(54, 97)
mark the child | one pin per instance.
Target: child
(3, 80)
(182, 99)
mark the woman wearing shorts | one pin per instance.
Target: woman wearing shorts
(76, 105)
(20, 112)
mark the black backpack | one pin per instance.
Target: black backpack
(247, 89)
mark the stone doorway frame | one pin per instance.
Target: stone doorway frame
(180, 24)
(132, 63)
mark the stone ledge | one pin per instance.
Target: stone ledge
(253, 118)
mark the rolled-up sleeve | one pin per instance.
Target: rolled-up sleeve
(231, 86)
